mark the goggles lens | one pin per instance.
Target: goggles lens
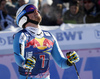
(30, 8)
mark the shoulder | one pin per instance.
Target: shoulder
(20, 36)
(22, 31)
(48, 35)
(19, 33)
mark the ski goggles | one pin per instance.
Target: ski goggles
(30, 8)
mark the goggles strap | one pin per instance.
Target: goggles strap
(29, 20)
(32, 21)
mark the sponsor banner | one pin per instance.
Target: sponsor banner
(74, 36)
(80, 37)
(6, 40)
(88, 66)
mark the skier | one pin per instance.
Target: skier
(33, 46)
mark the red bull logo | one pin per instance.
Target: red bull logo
(41, 43)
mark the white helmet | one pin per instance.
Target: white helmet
(21, 16)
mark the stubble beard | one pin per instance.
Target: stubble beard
(38, 18)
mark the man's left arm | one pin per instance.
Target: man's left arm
(59, 57)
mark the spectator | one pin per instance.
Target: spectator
(11, 8)
(58, 9)
(92, 12)
(14, 2)
(21, 2)
(81, 8)
(73, 15)
(6, 21)
(48, 17)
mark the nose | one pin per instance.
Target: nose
(35, 11)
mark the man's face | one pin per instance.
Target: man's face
(35, 16)
(88, 4)
(74, 9)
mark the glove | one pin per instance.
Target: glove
(29, 63)
(72, 58)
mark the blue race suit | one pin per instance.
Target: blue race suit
(26, 45)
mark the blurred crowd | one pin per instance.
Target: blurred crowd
(53, 12)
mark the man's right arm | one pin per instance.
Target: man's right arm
(18, 47)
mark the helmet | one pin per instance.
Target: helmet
(21, 16)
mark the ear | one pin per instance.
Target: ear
(22, 21)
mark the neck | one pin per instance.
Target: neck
(32, 25)
(37, 32)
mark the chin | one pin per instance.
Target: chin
(39, 18)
